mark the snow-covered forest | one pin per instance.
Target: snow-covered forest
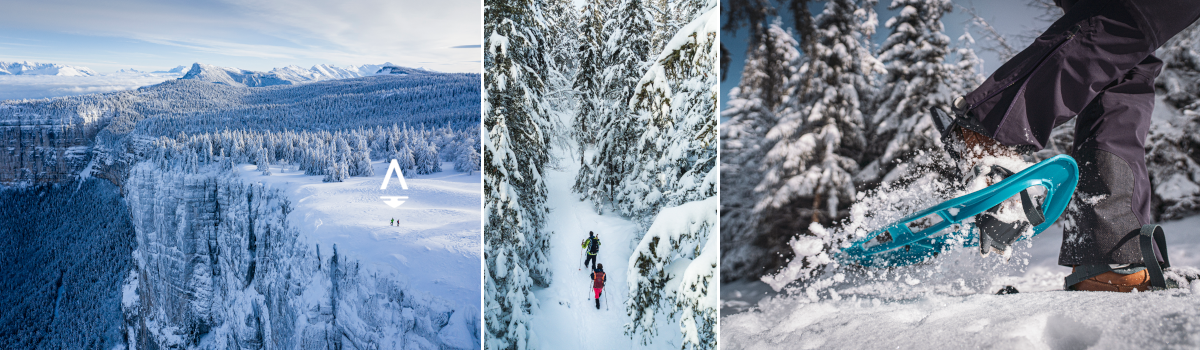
(600, 118)
(828, 131)
(193, 254)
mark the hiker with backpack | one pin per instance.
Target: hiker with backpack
(592, 246)
(598, 279)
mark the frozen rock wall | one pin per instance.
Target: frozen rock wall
(218, 266)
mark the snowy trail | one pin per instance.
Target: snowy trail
(567, 318)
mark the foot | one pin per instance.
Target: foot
(1115, 282)
(597, 303)
(983, 162)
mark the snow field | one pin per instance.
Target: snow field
(435, 250)
(950, 303)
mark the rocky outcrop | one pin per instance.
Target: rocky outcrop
(47, 141)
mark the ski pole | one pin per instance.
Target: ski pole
(581, 260)
(605, 299)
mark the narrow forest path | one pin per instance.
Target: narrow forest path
(568, 318)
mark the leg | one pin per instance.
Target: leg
(590, 259)
(1094, 44)
(1113, 198)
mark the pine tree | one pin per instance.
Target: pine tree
(628, 29)
(587, 83)
(817, 143)
(468, 160)
(677, 168)
(264, 165)
(770, 71)
(907, 141)
(514, 156)
(674, 103)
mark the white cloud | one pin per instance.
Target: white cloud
(16, 87)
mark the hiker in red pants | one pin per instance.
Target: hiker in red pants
(598, 279)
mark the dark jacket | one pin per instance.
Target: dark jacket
(592, 245)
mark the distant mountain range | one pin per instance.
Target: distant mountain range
(291, 74)
(222, 75)
(35, 68)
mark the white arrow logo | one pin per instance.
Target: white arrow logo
(394, 201)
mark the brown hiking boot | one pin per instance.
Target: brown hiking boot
(1115, 282)
(976, 146)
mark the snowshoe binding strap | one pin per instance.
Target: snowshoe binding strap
(945, 125)
(1151, 239)
(1000, 235)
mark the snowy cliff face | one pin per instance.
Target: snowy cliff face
(218, 266)
(35, 68)
(46, 141)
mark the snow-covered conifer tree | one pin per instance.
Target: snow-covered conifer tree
(628, 31)
(918, 78)
(770, 70)
(683, 232)
(588, 77)
(264, 165)
(678, 169)
(468, 160)
(360, 162)
(675, 104)
(514, 156)
(820, 137)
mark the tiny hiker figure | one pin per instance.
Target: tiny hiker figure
(592, 245)
(598, 279)
(393, 223)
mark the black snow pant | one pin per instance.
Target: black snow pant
(590, 258)
(1096, 62)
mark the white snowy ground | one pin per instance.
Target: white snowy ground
(567, 318)
(16, 87)
(436, 250)
(951, 304)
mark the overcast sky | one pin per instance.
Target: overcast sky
(1011, 18)
(109, 35)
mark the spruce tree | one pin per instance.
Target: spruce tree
(587, 82)
(770, 70)
(820, 136)
(918, 78)
(628, 30)
(514, 156)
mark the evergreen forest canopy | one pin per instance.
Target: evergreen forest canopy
(626, 89)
